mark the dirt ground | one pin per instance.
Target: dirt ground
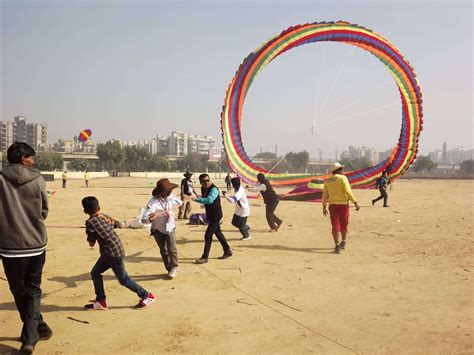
(404, 284)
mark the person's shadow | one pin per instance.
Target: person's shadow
(285, 248)
(5, 349)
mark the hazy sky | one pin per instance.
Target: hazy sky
(135, 69)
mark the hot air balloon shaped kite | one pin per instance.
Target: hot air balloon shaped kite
(85, 135)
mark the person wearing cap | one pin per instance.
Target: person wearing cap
(338, 192)
(186, 193)
(159, 212)
(212, 202)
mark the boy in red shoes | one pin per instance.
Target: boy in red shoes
(100, 228)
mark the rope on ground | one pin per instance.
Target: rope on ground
(279, 312)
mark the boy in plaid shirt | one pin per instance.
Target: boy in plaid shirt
(100, 228)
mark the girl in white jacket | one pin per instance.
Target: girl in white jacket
(242, 208)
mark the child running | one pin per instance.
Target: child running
(242, 208)
(159, 213)
(100, 228)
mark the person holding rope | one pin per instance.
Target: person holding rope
(382, 185)
(159, 212)
(271, 200)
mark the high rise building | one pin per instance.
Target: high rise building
(7, 135)
(200, 144)
(178, 143)
(34, 134)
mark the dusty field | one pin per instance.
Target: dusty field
(404, 284)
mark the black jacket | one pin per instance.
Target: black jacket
(214, 210)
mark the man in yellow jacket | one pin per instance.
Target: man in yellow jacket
(338, 192)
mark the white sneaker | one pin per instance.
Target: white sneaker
(248, 238)
(173, 273)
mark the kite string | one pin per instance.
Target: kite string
(343, 118)
(278, 162)
(321, 111)
(316, 108)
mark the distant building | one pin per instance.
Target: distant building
(453, 156)
(360, 152)
(64, 146)
(7, 135)
(34, 134)
(178, 143)
(200, 144)
(163, 143)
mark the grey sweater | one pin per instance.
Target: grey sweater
(23, 209)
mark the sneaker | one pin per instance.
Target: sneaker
(145, 302)
(27, 348)
(386, 206)
(337, 249)
(96, 306)
(200, 261)
(44, 332)
(343, 245)
(173, 273)
(246, 238)
(227, 254)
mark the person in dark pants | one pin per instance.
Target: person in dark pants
(382, 185)
(64, 177)
(271, 199)
(212, 202)
(23, 239)
(228, 184)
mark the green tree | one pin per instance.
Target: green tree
(136, 158)
(49, 161)
(282, 167)
(193, 162)
(423, 163)
(355, 163)
(158, 163)
(467, 166)
(265, 156)
(298, 161)
(80, 164)
(110, 154)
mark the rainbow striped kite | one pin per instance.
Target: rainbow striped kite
(404, 151)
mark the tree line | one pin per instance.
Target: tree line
(112, 156)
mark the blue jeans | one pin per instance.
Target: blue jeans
(116, 264)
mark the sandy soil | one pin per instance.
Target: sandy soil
(403, 285)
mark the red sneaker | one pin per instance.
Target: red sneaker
(96, 306)
(145, 302)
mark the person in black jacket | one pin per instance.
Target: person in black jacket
(212, 202)
(23, 239)
(271, 199)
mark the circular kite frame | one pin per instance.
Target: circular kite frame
(405, 150)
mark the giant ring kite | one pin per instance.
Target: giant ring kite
(404, 151)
